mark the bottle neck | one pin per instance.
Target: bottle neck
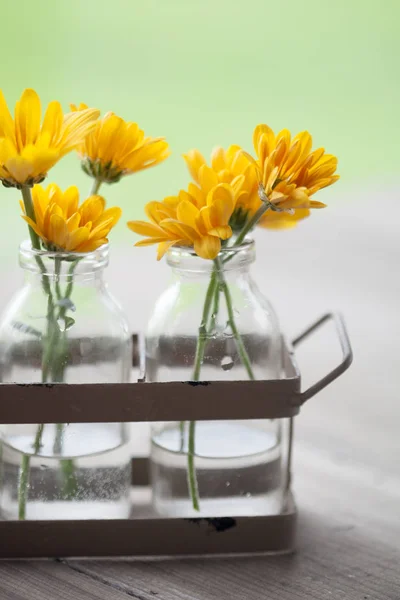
(230, 262)
(62, 268)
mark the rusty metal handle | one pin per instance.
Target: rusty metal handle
(346, 350)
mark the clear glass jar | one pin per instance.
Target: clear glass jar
(64, 326)
(212, 323)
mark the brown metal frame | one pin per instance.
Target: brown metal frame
(138, 402)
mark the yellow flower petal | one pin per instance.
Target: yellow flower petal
(253, 162)
(76, 239)
(197, 195)
(150, 241)
(163, 247)
(147, 229)
(42, 159)
(316, 204)
(264, 135)
(7, 150)
(34, 226)
(157, 211)
(7, 130)
(91, 209)
(58, 231)
(207, 178)
(102, 229)
(75, 127)
(19, 168)
(75, 107)
(71, 200)
(91, 245)
(73, 223)
(218, 159)
(207, 247)
(179, 230)
(112, 215)
(52, 123)
(224, 232)
(27, 118)
(194, 160)
(221, 203)
(150, 154)
(187, 213)
(109, 138)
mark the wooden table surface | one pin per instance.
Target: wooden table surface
(347, 449)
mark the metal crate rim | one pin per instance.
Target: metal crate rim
(144, 402)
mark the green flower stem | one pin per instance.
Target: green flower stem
(95, 187)
(244, 357)
(23, 486)
(182, 435)
(70, 487)
(217, 284)
(30, 212)
(53, 362)
(192, 477)
(250, 224)
(57, 271)
(23, 481)
(215, 309)
(38, 438)
(35, 240)
(198, 361)
(58, 349)
(202, 337)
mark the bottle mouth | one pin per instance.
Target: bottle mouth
(85, 262)
(229, 257)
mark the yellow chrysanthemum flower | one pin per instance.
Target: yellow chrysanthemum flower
(116, 147)
(63, 225)
(229, 166)
(286, 168)
(29, 148)
(179, 220)
(206, 180)
(290, 173)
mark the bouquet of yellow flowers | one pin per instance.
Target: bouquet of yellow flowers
(65, 235)
(227, 199)
(210, 220)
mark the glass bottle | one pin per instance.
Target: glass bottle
(212, 323)
(64, 326)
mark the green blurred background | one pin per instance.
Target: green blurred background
(204, 73)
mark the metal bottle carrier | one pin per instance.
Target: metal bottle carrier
(145, 534)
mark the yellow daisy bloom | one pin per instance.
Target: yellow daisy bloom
(63, 225)
(116, 147)
(29, 147)
(178, 220)
(290, 173)
(229, 166)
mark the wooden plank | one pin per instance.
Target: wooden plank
(348, 542)
(348, 548)
(53, 581)
(334, 562)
